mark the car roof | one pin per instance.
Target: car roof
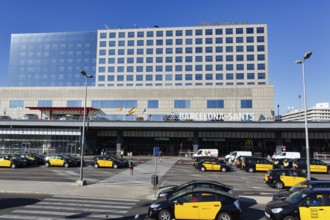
(210, 190)
(207, 181)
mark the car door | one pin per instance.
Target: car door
(107, 162)
(314, 208)
(216, 166)
(313, 166)
(208, 165)
(293, 178)
(4, 162)
(321, 167)
(208, 206)
(185, 208)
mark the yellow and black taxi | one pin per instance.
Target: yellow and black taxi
(282, 178)
(8, 161)
(58, 160)
(304, 204)
(197, 160)
(283, 194)
(196, 184)
(106, 161)
(282, 163)
(316, 166)
(213, 165)
(245, 160)
(198, 203)
(258, 164)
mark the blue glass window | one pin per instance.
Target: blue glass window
(150, 33)
(260, 30)
(178, 33)
(188, 77)
(249, 30)
(229, 76)
(178, 41)
(159, 33)
(249, 39)
(149, 68)
(188, 32)
(121, 60)
(169, 33)
(208, 31)
(198, 32)
(189, 50)
(246, 103)
(229, 58)
(139, 77)
(208, 76)
(111, 78)
(168, 68)
(260, 48)
(159, 59)
(219, 67)
(169, 42)
(239, 48)
(159, 77)
(239, 75)
(215, 104)
(102, 52)
(250, 76)
(199, 50)
(199, 76)
(239, 66)
(169, 50)
(229, 49)
(120, 69)
(261, 57)
(250, 66)
(218, 31)
(261, 76)
(198, 40)
(178, 77)
(188, 68)
(208, 59)
(102, 61)
(140, 34)
(73, 103)
(130, 34)
(219, 58)
(103, 43)
(261, 66)
(149, 77)
(239, 30)
(159, 68)
(199, 68)
(229, 40)
(112, 52)
(139, 69)
(150, 42)
(150, 50)
(260, 39)
(249, 57)
(218, 40)
(45, 103)
(103, 35)
(208, 67)
(130, 43)
(229, 67)
(129, 69)
(112, 35)
(139, 51)
(129, 78)
(153, 103)
(130, 51)
(121, 43)
(218, 49)
(111, 69)
(189, 41)
(150, 60)
(219, 76)
(208, 40)
(182, 104)
(239, 57)
(239, 39)
(178, 68)
(121, 35)
(101, 69)
(208, 49)
(169, 59)
(130, 60)
(159, 42)
(159, 50)
(121, 52)
(178, 50)
(250, 48)
(140, 43)
(178, 59)
(168, 77)
(114, 104)
(189, 59)
(229, 31)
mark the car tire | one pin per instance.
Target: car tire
(13, 165)
(47, 164)
(279, 185)
(115, 166)
(96, 165)
(224, 169)
(251, 170)
(224, 216)
(66, 165)
(164, 215)
(203, 169)
(289, 218)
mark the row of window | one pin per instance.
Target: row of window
(181, 84)
(128, 104)
(188, 41)
(180, 50)
(179, 77)
(181, 68)
(180, 59)
(179, 33)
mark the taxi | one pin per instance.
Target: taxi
(198, 203)
(105, 161)
(7, 161)
(304, 204)
(258, 164)
(58, 161)
(316, 166)
(282, 163)
(282, 178)
(213, 165)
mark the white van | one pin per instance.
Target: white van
(206, 152)
(286, 155)
(235, 154)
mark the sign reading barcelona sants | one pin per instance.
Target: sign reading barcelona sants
(216, 116)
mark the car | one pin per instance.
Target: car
(122, 161)
(30, 117)
(105, 161)
(197, 160)
(304, 204)
(258, 164)
(196, 183)
(245, 161)
(282, 178)
(193, 203)
(281, 195)
(213, 165)
(282, 163)
(316, 166)
(58, 160)
(8, 161)
(5, 117)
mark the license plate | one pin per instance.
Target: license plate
(268, 215)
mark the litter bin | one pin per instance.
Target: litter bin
(154, 180)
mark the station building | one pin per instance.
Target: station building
(173, 82)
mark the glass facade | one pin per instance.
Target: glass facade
(52, 59)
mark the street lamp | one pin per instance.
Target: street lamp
(82, 182)
(307, 55)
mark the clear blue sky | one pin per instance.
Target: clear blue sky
(294, 27)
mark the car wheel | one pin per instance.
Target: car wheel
(224, 216)
(115, 166)
(13, 166)
(289, 218)
(66, 165)
(164, 215)
(203, 169)
(47, 164)
(251, 170)
(224, 169)
(96, 165)
(279, 185)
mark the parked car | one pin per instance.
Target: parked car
(8, 161)
(235, 154)
(194, 184)
(30, 117)
(106, 161)
(5, 117)
(58, 160)
(192, 204)
(258, 164)
(281, 195)
(282, 178)
(282, 163)
(304, 204)
(197, 160)
(213, 165)
(316, 166)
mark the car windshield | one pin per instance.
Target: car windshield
(297, 187)
(296, 197)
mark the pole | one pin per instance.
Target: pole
(306, 126)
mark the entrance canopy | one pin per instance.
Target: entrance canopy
(76, 112)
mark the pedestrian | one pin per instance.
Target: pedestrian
(122, 153)
(131, 166)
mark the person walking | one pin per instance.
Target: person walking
(131, 166)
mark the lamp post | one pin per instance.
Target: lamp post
(306, 56)
(82, 182)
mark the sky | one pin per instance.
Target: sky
(294, 27)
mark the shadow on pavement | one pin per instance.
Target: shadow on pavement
(7, 203)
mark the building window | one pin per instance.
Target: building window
(153, 103)
(73, 103)
(219, 76)
(101, 78)
(249, 30)
(182, 104)
(239, 75)
(260, 30)
(239, 30)
(261, 76)
(246, 103)
(229, 76)
(215, 104)
(250, 76)
(45, 103)
(229, 31)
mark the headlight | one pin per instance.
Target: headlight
(277, 210)
(162, 194)
(155, 205)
